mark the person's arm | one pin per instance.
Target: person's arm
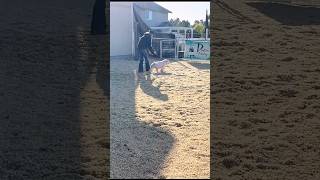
(151, 49)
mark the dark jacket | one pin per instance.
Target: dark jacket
(145, 43)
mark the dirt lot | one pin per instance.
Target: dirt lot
(265, 91)
(160, 123)
(53, 104)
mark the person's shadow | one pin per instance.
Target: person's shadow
(139, 148)
(43, 77)
(287, 14)
(146, 85)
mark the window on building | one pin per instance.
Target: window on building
(149, 15)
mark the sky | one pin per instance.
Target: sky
(190, 11)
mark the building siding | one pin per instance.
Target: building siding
(121, 28)
(157, 17)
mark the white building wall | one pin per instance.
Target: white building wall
(121, 28)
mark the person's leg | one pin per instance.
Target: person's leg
(147, 61)
(141, 61)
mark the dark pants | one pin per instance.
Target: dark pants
(143, 56)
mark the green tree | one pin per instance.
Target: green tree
(178, 23)
(185, 23)
(199, 28)
(195, 23)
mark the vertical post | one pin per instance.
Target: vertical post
(185, 48)
(206, 33)
(133, 33)
(192, 33)
(161, 49)
(175, 49)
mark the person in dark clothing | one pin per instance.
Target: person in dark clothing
(144, 45)
(99, 20)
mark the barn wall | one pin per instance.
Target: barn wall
(121, 28)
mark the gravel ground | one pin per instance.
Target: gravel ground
(265, 91)
(160, 123)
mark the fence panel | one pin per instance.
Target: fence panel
(168, 48)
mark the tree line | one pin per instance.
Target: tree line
(198, 25)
